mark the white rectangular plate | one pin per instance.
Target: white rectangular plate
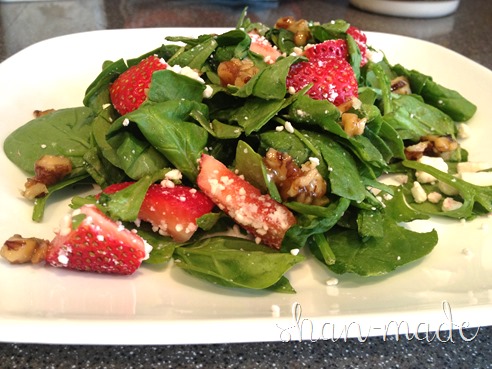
(162, 305)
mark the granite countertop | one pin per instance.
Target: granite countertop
(466, 32)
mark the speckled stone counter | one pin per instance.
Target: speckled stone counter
(466, 32)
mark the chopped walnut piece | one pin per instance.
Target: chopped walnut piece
(19, 250)
(300, 29)
(441, 144)
(304, 184)
(49, 169)
(352, 124)
(236, 72)
(415, 152)
(353, 102)
(34, 189)
(40, 113)
(401, 85)
(431, 145)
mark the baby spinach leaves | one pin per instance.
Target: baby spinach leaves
(377, 243)
(355, 232)
(236, 262)
(169, 128)
(65, 132)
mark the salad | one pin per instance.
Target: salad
(241, 154)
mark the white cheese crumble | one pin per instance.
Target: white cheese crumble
(434, 197)
(186, 71)
(447, 189)
(450, 204)
(173, 174)
(435, 162)
(314, 161)
(375, 55)
(418, 193)
(288, 127)
(207, 93)
(463, 131)
(63, 259)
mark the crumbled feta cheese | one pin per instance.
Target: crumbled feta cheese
(450, 204)
(167, 183)
(463, 130)
(375, 55)
(63, 259)
(447, 189)
(314, 161)
(294, 252)
(207, 93)
(288, 127)
(435, 162)
(186, 71)
(434, 197)
(418, 193)
(148, 249)
(173, 174)
(126, 122)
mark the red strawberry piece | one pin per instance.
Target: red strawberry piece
(338, 48)
(97, 244)
(172, 211)
(361, 40)
(129, 90)
(261, 45)
(333, 79)
(260, 215)
(327, 49)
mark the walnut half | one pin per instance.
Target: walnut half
(19, 250)
(236, 72)
(49, 169)
(303, 184)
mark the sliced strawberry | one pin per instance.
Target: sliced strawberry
(327, 49)
(361, 40)
(172, 211)
(97, 244)
(263, 217)
(129, 90)
(338, 48)
(260, 45)
(333, 79)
